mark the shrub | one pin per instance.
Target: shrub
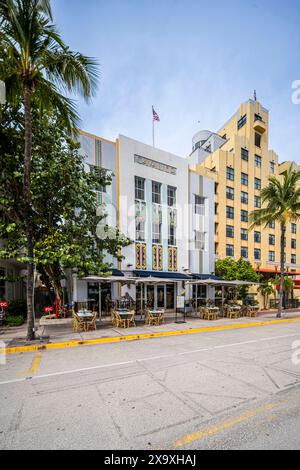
(15, 320)
(17, 308)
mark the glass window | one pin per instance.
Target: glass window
(293, 259)
(242, 121)
(257, 202)
(245, 154)
(171, 196)
(244, 252)
(229, 250)
(272, 167)
(257, 161)
(229, 212)
(257, 183)
(244, 197)
(293, 244)
(139, 188)
(229, 231)
(257, 237)
(272, 256)
(257, 140)
(244, 234)
(244, 216)
(199, 240)
(294, 228)
(199, 205)
(140, 231)
(271, 239)
(272, 224)
(257, 254)
(172, 235)
(230, 173)
(230, 193)
(244, 179)
(156, 192)
(156, 233)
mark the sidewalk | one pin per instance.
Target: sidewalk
(61, 330)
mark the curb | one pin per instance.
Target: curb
(117, 339)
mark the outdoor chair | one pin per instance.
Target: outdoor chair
(119, 322)
(131, 319)
(210, 315)
(151, 319)
(233, 313)
(91, 322)
(77, 323)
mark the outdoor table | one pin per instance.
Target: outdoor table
(85, 313)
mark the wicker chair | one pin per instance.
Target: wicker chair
(131, 319)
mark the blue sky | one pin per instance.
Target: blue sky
(193, 60)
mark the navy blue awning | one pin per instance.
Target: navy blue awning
(117, 272)
(163, 275)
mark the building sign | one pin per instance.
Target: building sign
(156, 165)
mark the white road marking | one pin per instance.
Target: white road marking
(137, 361)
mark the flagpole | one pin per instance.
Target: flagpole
(153, 132)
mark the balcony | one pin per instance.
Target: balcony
(259, 125)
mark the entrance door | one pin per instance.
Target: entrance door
(161, 296)
(170, 297)
(150, 297)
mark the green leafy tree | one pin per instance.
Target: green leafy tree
(281, 203)
(231, 270)
(36, 64)
(64, 205)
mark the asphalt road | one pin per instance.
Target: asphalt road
(234, 389)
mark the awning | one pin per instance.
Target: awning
(205, 277)
(162, 275)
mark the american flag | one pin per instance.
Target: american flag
(155, 115)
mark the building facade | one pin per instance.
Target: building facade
(164, 206)
(241, 162)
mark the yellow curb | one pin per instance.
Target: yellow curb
(89, 342)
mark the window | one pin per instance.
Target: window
(244, 197)
(257, 140)
(244, 216)
(172, 235)
(257, 202)
(272, 256)
(229, 250)
(272, 224)
(294, 228)
(293, 244)
(139, 188)
(244, 179)
(245, 154)
(257, 161)
(230, 173)
(257, 117)
(216, 188)
(156, 192)
(229, 212)
(230, 193)
(257, 237)
(199, 205)
(171, 196)
(244, 234)
(140, 231)
(244, 252)
(229, 231)
(257, 183)
(272, 167)
(293, 259)
(156, 233)
(199, 240)
(272, 240)
(242, 121)
(257, 254)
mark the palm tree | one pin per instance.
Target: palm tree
(281, 203)
(266, 290)
(38, 67)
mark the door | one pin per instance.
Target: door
(161, 296)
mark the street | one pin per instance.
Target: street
(231, 389)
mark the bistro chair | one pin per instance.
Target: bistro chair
(90, 323)
(233, 313)
(150, 319)
(119, 321)
(77, 323)
(131, 319)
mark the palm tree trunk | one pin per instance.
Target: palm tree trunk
(28, 220)
(283, 229)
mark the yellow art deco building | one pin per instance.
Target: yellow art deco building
(240, 161)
